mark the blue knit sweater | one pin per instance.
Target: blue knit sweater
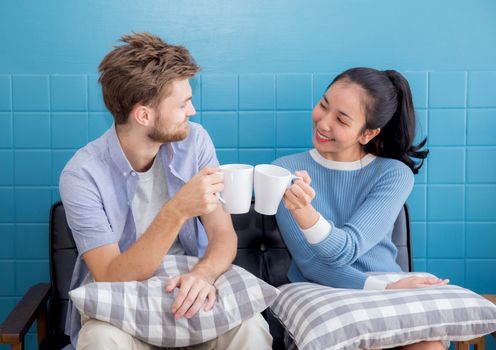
(361, 201)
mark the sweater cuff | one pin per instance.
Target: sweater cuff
(318, 232)
(375, 283)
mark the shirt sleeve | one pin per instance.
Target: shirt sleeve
(318, 232)
(85, 213)
(206, 150)
(370, 224)
(313, 267)
(375, 283)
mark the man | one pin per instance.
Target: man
(135, 194)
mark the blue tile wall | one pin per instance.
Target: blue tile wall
(481, 127)
(6, 130)
(7, 236)
(294, 91)
(5, 93)
(480, 202)
(446, 239)
(321, 82)
(219, 92)
(480, 94)
(32, 130)
(257, 129)
(254, 118)
(445, 203)
(95, 97)
(68, 93)
(222, 127)
(294, 129)
(69, 129)
(30, 162)
(31, 93)
(452, 269)
(439, 119)
(264, 66)
(257, 91)
(482, 240)
(419, 241)
(418, 85)
(7, 161)
(446, 165)
(447, 89)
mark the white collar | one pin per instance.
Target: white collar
(335, 165)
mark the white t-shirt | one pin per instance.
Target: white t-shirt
(151, 194)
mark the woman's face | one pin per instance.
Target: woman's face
(339, 121)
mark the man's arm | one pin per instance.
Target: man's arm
(222, 244)
(139, 262)
(197, 286)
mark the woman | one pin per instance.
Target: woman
(337, 222)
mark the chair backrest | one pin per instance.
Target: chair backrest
(261, 251)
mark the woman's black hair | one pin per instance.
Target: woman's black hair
(388, 105)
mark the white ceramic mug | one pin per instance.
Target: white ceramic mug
(271, 181)
(238, 188)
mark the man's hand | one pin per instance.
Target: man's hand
(300, 194)
(197, 197)
(194, 290)
(417, 282)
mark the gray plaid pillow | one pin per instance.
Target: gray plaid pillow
(143, 309)
(319, 317)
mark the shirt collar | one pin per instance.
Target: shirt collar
(116, 153)
(335, 165)
(168, 154)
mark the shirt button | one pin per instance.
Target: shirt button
(133, 173)
(124, 174)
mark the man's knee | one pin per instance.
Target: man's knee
(102, 335)
(256, 323)
(251, 334)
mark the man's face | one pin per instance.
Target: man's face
(172, 113)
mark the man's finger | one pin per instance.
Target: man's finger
(200, 301)
(188, 301)
(172, 283)
(211, 299)
(181, 296)
(209, 170)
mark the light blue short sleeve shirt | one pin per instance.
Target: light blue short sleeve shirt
(97, 187)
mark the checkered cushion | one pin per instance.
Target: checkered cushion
(143, 309)
(319, 317)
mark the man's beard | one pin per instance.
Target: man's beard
(157, 135)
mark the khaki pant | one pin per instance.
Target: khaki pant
(251, 334)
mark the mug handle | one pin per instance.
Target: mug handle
(217, 194)
(293, 178)
(219, 197)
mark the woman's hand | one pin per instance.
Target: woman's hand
(417, 282)
(300, 194)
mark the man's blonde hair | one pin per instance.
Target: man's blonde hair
(141, 71)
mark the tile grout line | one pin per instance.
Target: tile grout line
(465, 182)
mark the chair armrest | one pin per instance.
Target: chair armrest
(20, 319)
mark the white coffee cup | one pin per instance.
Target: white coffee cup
(238, 188)
(271, 181)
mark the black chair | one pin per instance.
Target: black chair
(261, 251)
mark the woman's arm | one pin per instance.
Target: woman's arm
(341, 246)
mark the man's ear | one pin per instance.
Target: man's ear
(368, 135)
(141, 114)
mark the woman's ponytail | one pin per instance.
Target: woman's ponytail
(399, 132)
(390, 108)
